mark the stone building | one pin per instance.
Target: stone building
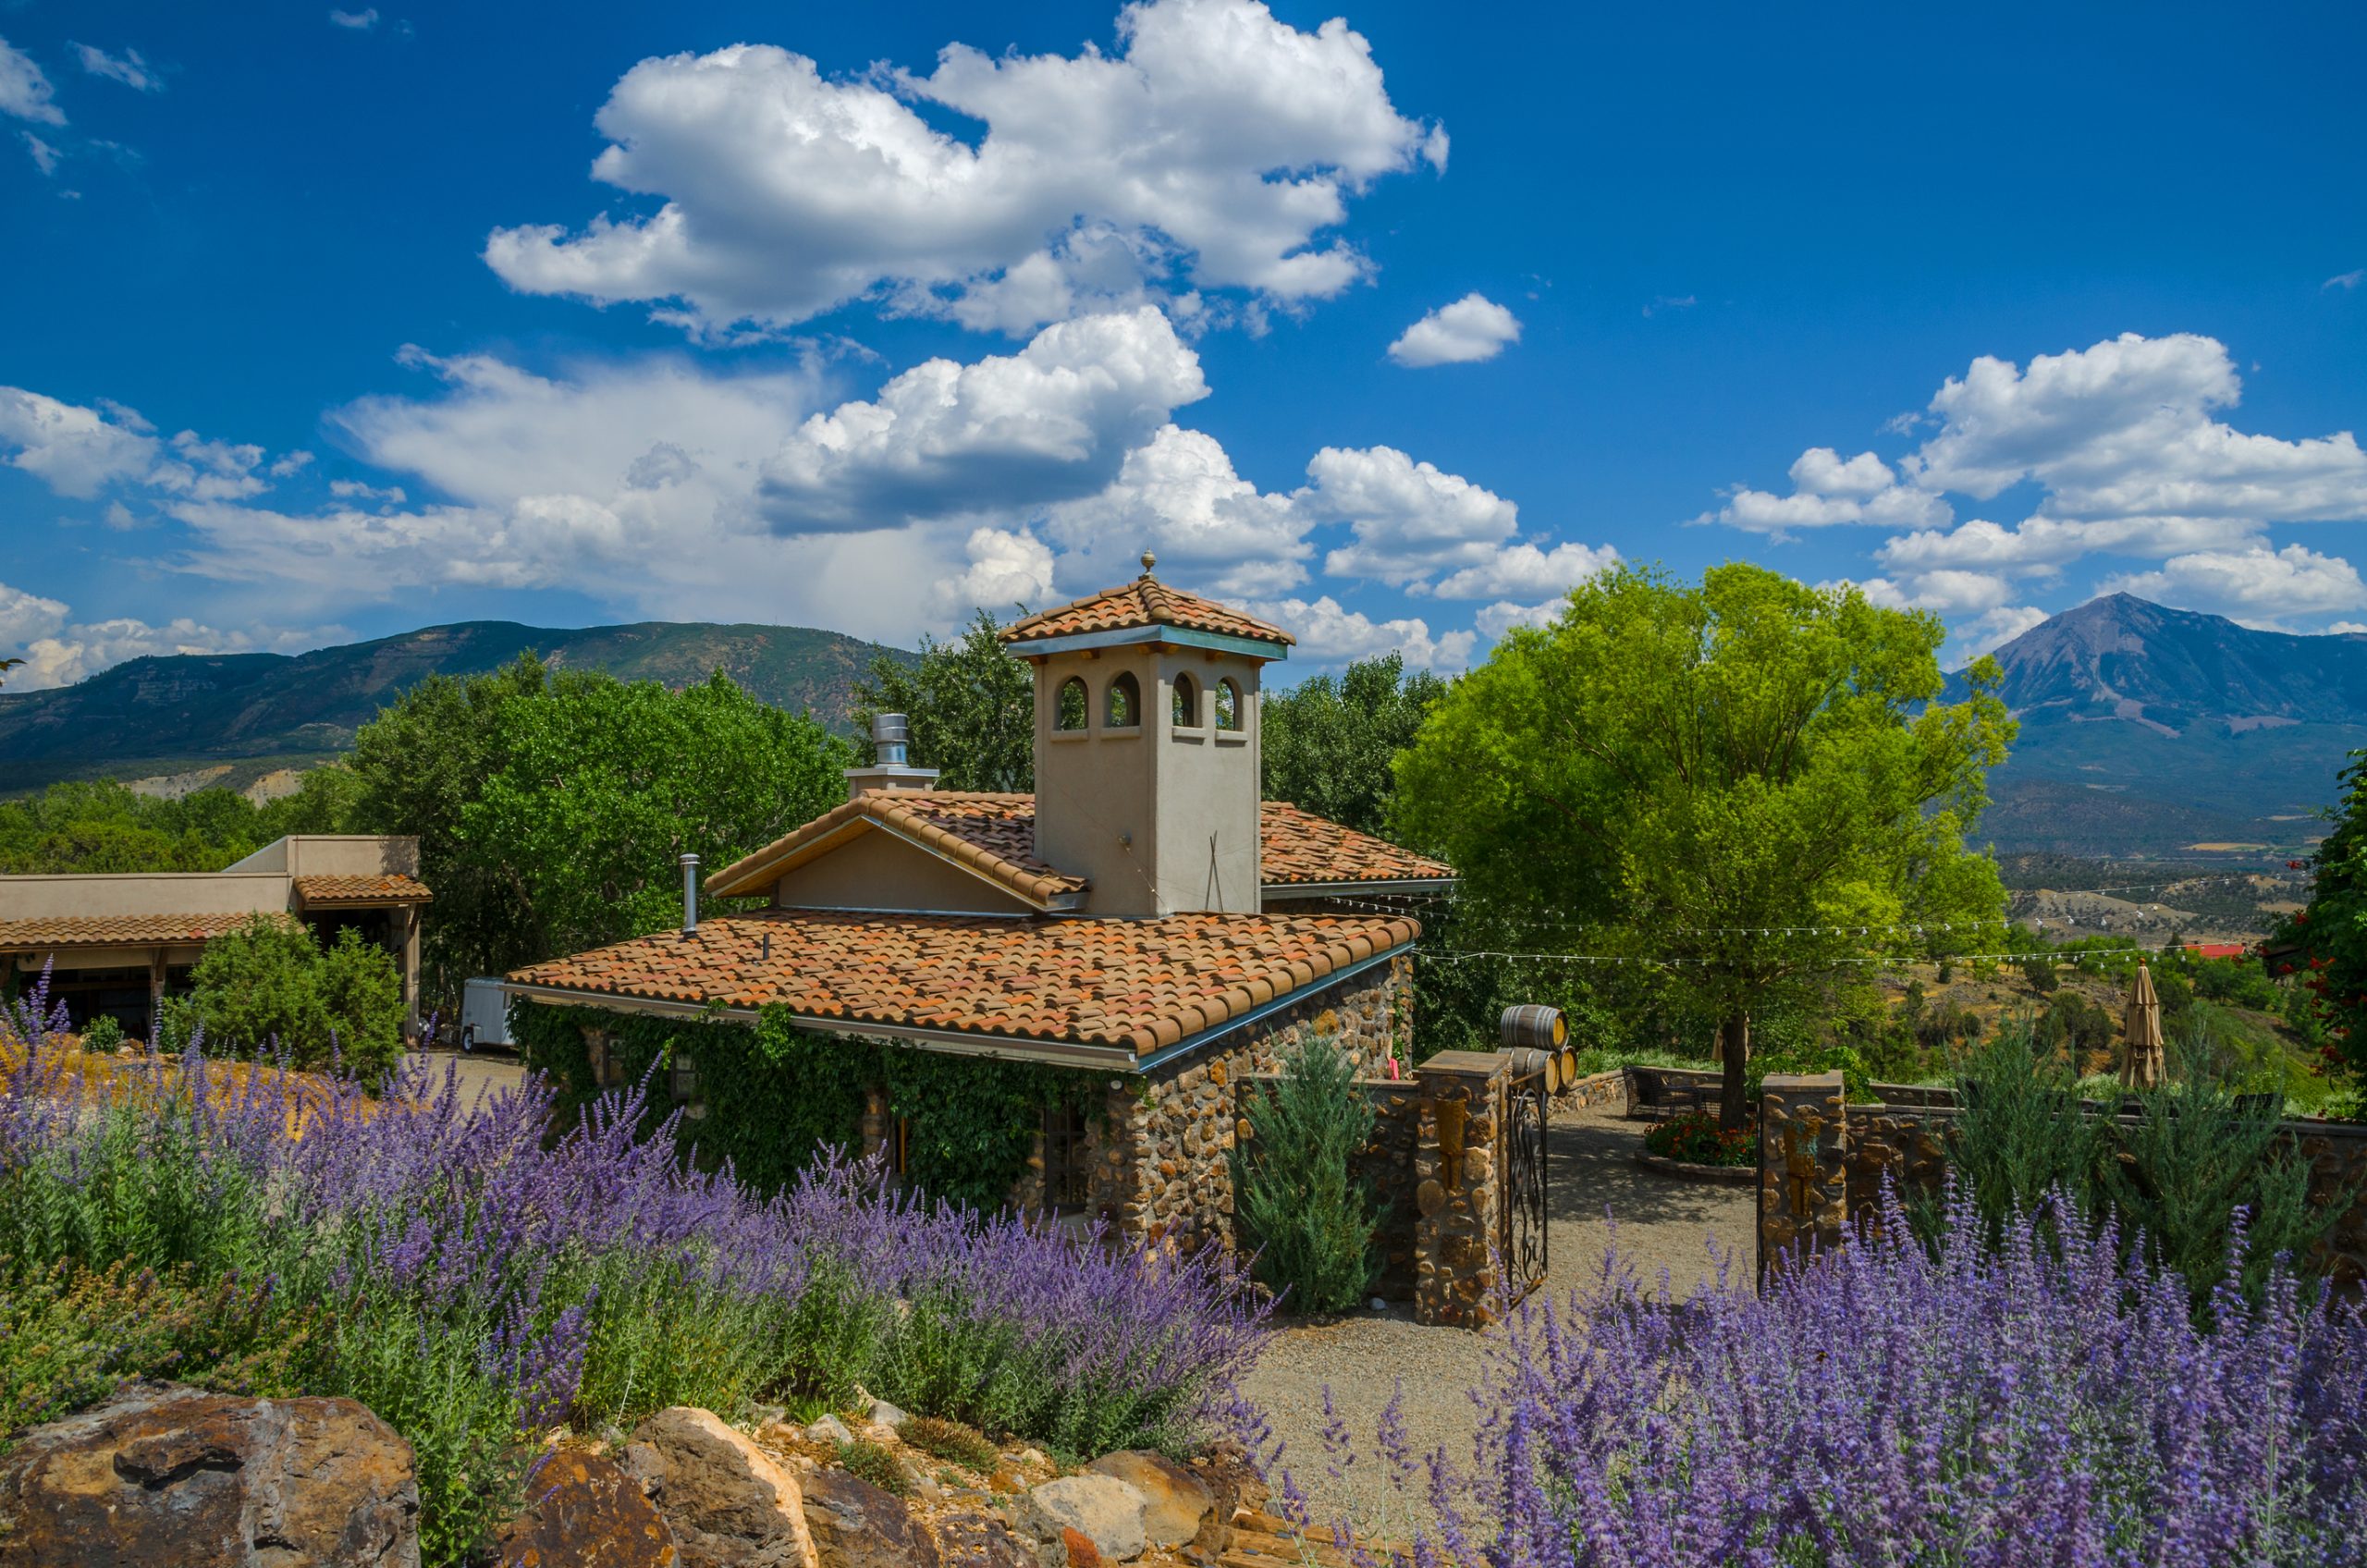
(1142, 917)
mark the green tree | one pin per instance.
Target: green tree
(603, 785)
(1299, 1200)
(7, 665)
(267, 987)
(1727, 781)
(1328, 744)
(416, 768)
(2326, 944)
(971, 707)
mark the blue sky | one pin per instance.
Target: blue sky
(323, 324)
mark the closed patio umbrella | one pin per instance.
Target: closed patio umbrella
(2141, 1064)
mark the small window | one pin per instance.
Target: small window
(1069, 709)
(1126, 707)
(1188, 703)
(1231, 705)
(1068, 1174)
(682, 1078)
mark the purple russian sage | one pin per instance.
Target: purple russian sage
(2047, 1401)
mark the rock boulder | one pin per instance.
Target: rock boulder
(166, 1476)
(1105, 1510)
(583, 1511)
(1177, 1503)
(855, 1525)
(729, 1503)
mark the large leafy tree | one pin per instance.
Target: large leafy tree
(1328, 743)
(1725, 782)
(971, 707)
(2322, 951)
(551, 810)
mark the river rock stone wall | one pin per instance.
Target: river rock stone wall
(1162, 1148)
(1458, 1171)
(1823, 1163)
(1598, 1089)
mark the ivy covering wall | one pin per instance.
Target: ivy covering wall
(775, 1094)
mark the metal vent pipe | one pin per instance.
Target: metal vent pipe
(690, 895)
(891, 736)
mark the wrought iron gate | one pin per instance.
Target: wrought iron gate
(1520, 1228)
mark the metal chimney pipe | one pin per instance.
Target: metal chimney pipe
(690, 895)
(891, 735)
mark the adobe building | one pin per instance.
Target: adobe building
(118, 944)
(1142, 915)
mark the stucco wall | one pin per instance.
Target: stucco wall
(877, 870)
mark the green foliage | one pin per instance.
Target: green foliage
(267, 987)
(971, 707)
(2327, 942)
(2039, 971)
(870, 1462)
(99, 825)
(1856, 1082)
(2074, 1030)
(552, 810)
(1696, 1139)
(2021, 1133)
(1328, 744)
(775, 1094)
(1297, 1199)
(2193, 1158)
(1688, 767)
(951, 1440)
(70, 1336)
(102, 1034)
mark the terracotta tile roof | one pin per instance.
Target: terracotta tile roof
(361, 890)
(993, 835)
(996, 834)
(1298, 846)
(1135, 985)
(1143, 602)
(40, 932)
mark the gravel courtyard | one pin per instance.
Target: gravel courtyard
(1663, 1223)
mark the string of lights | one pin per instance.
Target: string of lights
(1446, 955)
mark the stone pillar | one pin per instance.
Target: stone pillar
(1802, 1180)
(155, 994)
(1458, 1172)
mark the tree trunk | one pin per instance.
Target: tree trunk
(1734, 1048)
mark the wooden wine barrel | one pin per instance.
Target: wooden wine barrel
(1569, 1066)
(1533, 1027)
(1528, 1064)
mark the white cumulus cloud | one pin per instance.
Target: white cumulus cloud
(126, 67)
(355, 21)
(25, 92)
(1178, 496)
(1475, 327)
(1213, 150)
(1330, 634)
(2259, 586)
(58, 651)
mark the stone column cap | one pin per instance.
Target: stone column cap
(1471, 1064)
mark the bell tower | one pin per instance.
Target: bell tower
(1146, 746)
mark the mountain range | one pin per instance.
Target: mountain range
(229, 718)
(2145, 730)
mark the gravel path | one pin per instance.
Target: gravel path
(1663, 1223)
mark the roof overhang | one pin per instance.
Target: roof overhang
(955, 1042)
(1406, 885)
(1133, 636)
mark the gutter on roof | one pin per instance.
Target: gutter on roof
(1182, 636)
(1056, 1053)
(1393, 884)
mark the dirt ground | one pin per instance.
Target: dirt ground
(1663, 1224)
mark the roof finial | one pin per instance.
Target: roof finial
(1149, 561)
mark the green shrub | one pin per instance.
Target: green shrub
(102, 1034)
(266, 986)
(1299, 1204)
(869, 1461)
(2194, 1157)
(951, 1440)
(2021, 1132)
(1697, 1139)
